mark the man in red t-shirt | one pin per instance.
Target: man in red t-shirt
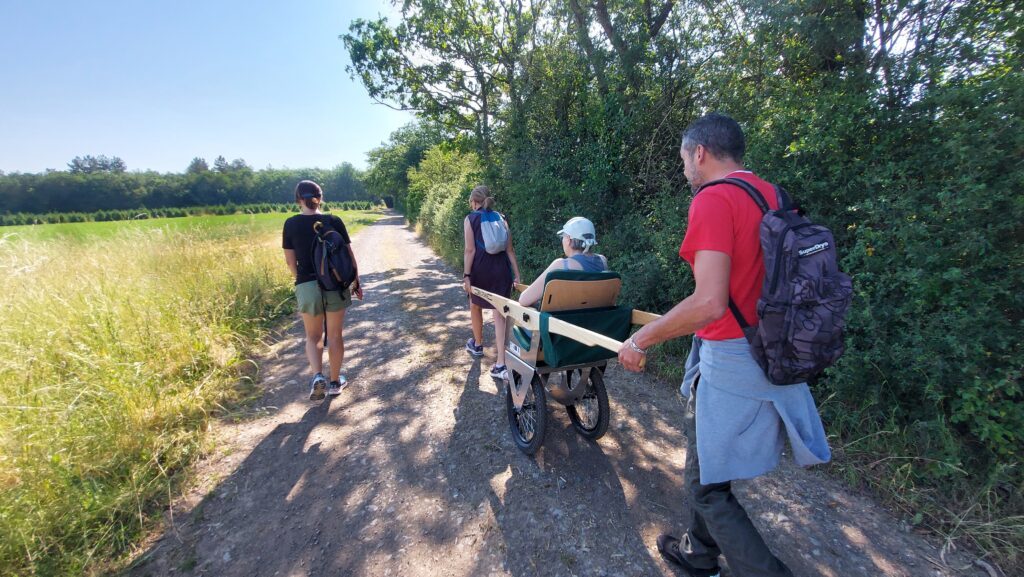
(738, 416)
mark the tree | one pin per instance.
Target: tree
(116, 165)
(197, 165)
(83, 191)
(629, 32)
(450, 60)
(387, 175)
(89, 164)
(220, 164)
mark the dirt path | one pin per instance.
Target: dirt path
(411, 471)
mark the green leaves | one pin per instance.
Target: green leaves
(452, 61)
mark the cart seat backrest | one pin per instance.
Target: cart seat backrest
(572, 290)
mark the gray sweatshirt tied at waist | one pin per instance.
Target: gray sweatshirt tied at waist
(743, 419)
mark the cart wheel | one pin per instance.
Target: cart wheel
(528, 423)
(590, 414)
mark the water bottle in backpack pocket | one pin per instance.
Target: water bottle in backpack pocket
(801, 314)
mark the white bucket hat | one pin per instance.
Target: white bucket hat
(579, 228)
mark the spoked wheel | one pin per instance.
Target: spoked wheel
(590, 414)
(528, 423)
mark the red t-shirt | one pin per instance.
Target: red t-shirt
(724, 218)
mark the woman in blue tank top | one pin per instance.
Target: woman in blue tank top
(578, 238)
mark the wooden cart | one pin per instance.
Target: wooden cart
(561, 351)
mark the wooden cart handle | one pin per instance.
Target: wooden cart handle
(639, 317)
(529, 318)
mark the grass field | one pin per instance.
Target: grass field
(118, 341)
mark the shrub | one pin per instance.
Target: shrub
(441, 186)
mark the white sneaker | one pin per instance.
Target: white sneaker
(317, 387)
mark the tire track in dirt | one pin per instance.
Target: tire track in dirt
(411, 471)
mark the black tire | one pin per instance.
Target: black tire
(591, 416)
(528, 423)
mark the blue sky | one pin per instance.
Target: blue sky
(158, 83)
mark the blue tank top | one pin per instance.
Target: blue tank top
(589, 262)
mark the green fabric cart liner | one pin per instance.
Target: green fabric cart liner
(560, 350)
(523, 337)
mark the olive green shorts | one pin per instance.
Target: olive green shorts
(308, 295)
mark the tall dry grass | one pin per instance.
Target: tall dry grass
(114, 351)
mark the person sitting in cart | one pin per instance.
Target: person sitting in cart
(578, 238)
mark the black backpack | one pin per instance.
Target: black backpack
(332, 263)
(802, 310)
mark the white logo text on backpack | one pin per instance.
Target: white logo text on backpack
(813, 249)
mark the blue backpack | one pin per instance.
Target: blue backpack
(494, 231)
(332, 264)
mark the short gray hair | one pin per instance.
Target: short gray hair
(719, 134)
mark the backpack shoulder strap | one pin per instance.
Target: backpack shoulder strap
(762, 204)
(478, 222)
(785, 202)
(744, 325)
(752, 192)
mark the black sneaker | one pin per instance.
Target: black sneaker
(317, 387)
(474, 349)
(499, 372)
(334, 389)
(668, 546)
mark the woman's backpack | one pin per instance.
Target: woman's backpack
(802, 310)
(333, 265)
(494, 231)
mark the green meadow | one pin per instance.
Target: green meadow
(119, 341)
